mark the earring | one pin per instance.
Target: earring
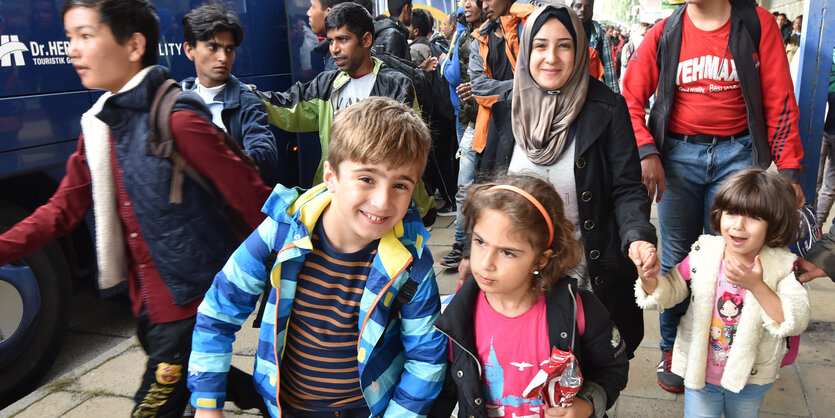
(536, 272)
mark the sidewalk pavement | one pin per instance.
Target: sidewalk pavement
(104, 386)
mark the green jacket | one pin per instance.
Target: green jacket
(308, 108)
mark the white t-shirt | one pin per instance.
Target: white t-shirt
(561, 174)
(354, 91)
(208, 94)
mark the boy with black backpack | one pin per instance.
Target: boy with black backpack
(728, 57)
(169, 250)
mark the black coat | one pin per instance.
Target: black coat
(600, 352)
(392, 36)
(613, 203)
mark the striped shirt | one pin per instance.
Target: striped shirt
(319, 367)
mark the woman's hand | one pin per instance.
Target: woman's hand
(580, 408)
(645, 257)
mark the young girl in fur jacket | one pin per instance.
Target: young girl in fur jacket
(744, 298)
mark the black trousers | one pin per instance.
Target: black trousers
(163, 392)
(441, 168)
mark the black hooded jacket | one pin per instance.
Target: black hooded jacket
(392, 36)
(599, 350)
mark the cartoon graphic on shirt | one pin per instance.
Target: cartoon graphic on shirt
(498, 404)
(718, 343)
(729, 307)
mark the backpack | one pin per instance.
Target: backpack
(792, 341)
(161, 143)
(421, 81)
(442, 103)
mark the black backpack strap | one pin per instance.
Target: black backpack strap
(404, 296)
(265, 295)
(750, 20)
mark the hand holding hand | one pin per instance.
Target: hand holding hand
(743, 276)
(645, 257)
(580, 408)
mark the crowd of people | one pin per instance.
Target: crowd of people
(529, 123)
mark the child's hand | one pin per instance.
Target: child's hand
(743, 276)
(208, 413)
(580, 408)
(645, 257)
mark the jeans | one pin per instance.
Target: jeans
(466, 175)
(826, 196)
(694, 173)
(712, 401)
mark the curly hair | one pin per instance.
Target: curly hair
(530, 222)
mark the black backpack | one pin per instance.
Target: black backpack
(440, 87)
(421, 81)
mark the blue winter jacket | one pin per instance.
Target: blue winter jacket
(401, 366)
(245, 119)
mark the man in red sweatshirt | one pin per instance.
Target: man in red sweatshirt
(723, 103)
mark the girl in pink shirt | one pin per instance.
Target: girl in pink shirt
(505, 318)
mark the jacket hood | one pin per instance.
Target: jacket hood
(303, 209)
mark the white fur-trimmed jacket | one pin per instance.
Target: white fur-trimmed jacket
(759, 342)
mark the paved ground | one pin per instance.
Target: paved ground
(103, 386)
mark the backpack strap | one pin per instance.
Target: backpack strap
(404, 296)
(750, 20)
(161, 140)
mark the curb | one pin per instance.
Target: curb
(46, 389)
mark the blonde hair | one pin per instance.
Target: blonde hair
(716, 322)
(530, 222)
(379, 130)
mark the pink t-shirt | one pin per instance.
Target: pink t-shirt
(726, 310)
(511, 350)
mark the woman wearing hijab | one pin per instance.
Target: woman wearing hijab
(568, 128)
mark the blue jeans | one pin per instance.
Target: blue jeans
(694, 173)
(466, 175)
(712, 401)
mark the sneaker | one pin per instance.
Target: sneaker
(668, 380)
(448, 210)
(453, 259)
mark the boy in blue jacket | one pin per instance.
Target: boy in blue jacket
(339, 333)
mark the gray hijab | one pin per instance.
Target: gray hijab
(542, 118)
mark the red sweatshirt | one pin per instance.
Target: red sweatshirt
(708, 99)
(197, 141)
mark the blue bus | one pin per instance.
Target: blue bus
(41, 102)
